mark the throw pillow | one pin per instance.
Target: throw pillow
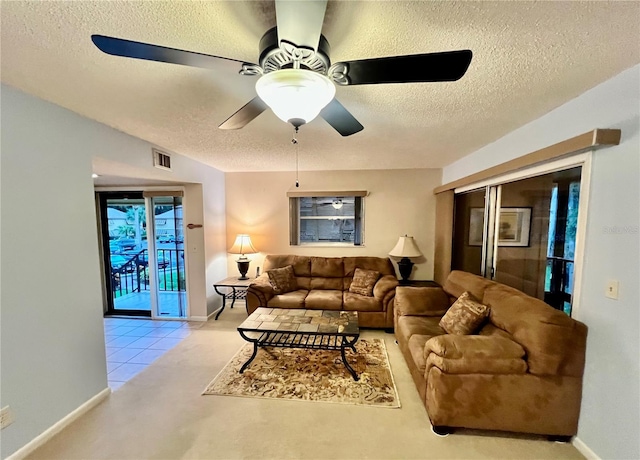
(465, 316)
(283, 280)
(364, 281)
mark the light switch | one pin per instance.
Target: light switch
(611, 290)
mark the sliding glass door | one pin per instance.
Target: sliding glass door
(124, 238)
(469, 232)
(169, 249)
(144, 258)
(522, 234)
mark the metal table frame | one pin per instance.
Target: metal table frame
(309, 340)
(255, 332)
(238, 291)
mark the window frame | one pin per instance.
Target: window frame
(295, 218)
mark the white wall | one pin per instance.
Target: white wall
(400, 201)
(610, 417)
(52, 340)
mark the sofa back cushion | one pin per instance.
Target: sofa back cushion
(545, 333)
(335, 273)
(301, 267)
(301, 264)
(326, 273)
(379, 264)
(459, 282)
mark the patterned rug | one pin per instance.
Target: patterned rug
(311, 375)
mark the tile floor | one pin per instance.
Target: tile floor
(133, 344)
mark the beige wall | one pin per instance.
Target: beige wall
(400, 202)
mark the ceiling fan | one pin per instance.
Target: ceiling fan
(297, 80)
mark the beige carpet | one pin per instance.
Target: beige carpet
(311, 375)
(162, 415)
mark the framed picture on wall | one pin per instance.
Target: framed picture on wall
(514, 226)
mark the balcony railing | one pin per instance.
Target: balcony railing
(133, 275)
(559, 283)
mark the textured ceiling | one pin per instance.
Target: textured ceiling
(529, 57)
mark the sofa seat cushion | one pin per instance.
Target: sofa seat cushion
(293, 299)
(416, 348)
(420, 325)
(465, 316)
(474, 347)
(490, 330)
(324, 300)
(357, 302)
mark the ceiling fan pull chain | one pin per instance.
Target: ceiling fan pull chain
(294, 141)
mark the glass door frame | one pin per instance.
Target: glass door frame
(154, 275)
(151, 248)
(103, 197)
(493, 191)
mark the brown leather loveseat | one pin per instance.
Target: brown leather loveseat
(323, 284)
(521, 372)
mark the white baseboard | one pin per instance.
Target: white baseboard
(59, 426)
(198, 318)
(584, 449)
(204, 318)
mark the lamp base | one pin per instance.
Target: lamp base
(406, 267)
(243, 268)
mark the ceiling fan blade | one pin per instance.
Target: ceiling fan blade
(146, 51)
(415, 68)
(300, 22)
(340, 118)
(245, 115)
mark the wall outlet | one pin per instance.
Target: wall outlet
(6, 417)
(611, 290)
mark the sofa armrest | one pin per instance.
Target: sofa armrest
(259, 293)
(421, 301)
(474, 354)
(384, 288)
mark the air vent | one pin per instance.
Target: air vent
(161, 160)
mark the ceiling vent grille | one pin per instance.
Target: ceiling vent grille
(161, 160)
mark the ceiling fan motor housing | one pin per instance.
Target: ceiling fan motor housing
(274, 57)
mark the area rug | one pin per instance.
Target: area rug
(311, 375)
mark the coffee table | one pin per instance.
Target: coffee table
(299, 328)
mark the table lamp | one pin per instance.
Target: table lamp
(405, 248)
(243, 246)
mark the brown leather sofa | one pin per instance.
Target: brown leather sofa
(323, 284)
(522, 372)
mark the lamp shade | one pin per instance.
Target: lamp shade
(242, 245)
(295, 95)
(406, 247)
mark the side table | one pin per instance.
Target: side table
(238, 290)
(419, 283)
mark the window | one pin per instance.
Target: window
(324, 218)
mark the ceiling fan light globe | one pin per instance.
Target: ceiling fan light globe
(295, 94)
